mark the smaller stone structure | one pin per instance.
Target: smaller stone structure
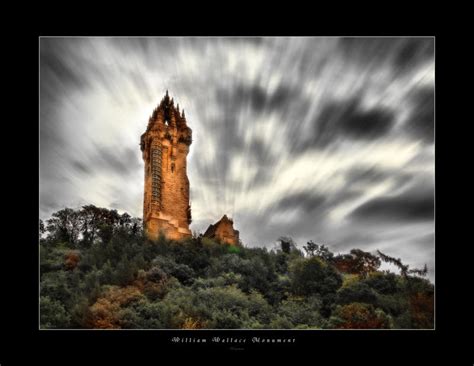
(224, 231)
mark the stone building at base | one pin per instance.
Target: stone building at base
(224, 231)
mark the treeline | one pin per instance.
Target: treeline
(99, 271)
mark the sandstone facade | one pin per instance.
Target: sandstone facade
(224, 231)
(165, 146)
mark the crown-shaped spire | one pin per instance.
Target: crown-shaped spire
(166, 99)
(167, 111)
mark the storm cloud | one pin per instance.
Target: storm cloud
(324, 139)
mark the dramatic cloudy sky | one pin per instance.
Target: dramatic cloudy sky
(322, 139)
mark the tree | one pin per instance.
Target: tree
(301, 311)
(359, 316)
(364, 262)
(357, 262)
(405, 270)
(91, 218)
(357, 292)
(383, 283)
(97, 222)
(313, 276)
(64, 226)
(42, 228)
(312, 249)
(71, 259)
(286, 244)
(53, 314)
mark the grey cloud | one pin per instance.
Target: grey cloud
(122, 161)
(421, 121)
(56, 65)
(307, 201)
(314, 89)
(81, 167)
(349, 119)
(414, 50)
(400, 53)
(368, 175)
(412, 205)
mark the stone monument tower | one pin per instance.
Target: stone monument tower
(165, 146)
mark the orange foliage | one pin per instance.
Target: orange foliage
(360, 316)
(105, 313)
(422, 310)
(190, 323)
(71, 259)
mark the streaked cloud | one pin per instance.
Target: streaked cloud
(323, 139)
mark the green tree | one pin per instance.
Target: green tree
(312, 249)
(357, 292)
(64, 226)
(53, 314)
(286, 244)
(313, 276)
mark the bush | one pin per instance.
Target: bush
(357, 292)
(359, 316)
(312, 276)
(182, 272)
(219, 307)
(301, 312)
(52, 314)
(383, 283)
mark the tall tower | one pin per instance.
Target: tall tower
(165, 146)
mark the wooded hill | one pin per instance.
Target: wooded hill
(99, 271)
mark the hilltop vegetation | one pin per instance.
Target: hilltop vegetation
(99, 271)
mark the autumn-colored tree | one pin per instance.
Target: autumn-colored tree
(357, 262)
(190, 323)
(105, 312)
(359, 316)
(71, 259)
(422, 310)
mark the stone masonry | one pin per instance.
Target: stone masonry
(224, 231)
(165, 146)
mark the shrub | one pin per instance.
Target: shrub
(312, 276)
(53, 314)
(359, 316)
